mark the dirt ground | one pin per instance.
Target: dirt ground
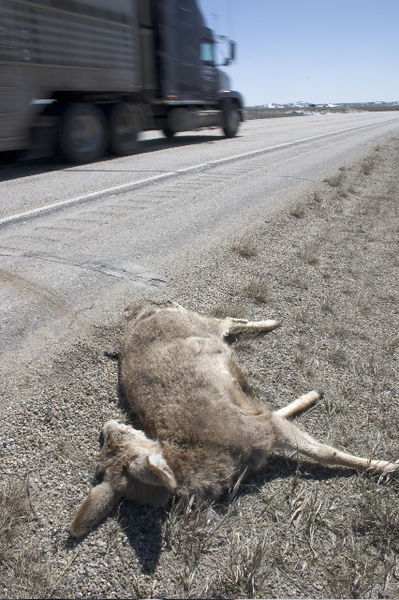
(327, 269)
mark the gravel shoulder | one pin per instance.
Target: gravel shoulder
(327, 269)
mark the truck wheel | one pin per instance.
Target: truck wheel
(168, 133)
(231, 119)
(124, 128)
(83, 136)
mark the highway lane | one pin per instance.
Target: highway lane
(64, 271)
(26, 188)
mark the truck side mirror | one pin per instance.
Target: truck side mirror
(232, 56)
(232, 50)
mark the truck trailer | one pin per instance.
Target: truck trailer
(88, 76)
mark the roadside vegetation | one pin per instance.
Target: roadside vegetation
(264, 112)
(327, 269)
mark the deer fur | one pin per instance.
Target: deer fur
(201, 425)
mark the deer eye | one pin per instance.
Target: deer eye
(101, 439)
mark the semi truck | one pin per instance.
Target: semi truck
(89, 76)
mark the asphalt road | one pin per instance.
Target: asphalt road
(78, 243)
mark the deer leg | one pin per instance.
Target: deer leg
(301, 403)
(295, 439)
(232, 326)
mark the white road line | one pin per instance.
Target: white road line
(125, 187)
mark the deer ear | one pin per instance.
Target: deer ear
(160, 468)
(94, 508)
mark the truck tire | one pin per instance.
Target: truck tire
(168, 133)
(231, 119)
(124, 128)
(83, 133)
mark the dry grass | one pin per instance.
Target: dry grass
(256, 289)
(297, 211)
(316, 198)
(229, 309)
(247, 567)
(14, 514)
(368, 165)
(244, 248)
(309, 254)
(335, 180)
(25, 571)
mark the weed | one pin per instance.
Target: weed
(330, 407)
(338, 357)
(297, 211)
(132, 310)
(246, 571)
(300, 352)
(302, 316)
(298, 282)
(243, 343)
(235, 310)
(244, 248)
(14, 514)
(348, 291)
(364, 307)
(327, 307)
(256, 289)
(23, 567)
(316, 197)
(308, 256)
(139, 586)
(367, 165)
(335, 180)
(375, 520)
(341, 332)
(392, 344)
(194, 520)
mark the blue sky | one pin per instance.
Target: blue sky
(313, 50)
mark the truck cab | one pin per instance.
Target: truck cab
(189, 75)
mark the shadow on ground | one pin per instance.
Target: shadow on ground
(15, 166)
(143, 525)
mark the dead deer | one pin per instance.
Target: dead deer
(202, 426)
